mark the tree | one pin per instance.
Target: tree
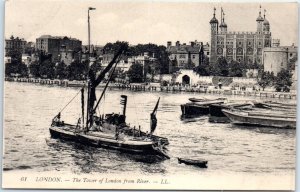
(203, 68)
(260, 71)
(77, 70)
(47, 69)
(283, 81)
(254, 65)
(219, 68)
(267, 79)
(173, 66)
(61, 70)
(34, 69)
(236, 69)
(153, 69)
(114, 47)
(135, 73)
(16, 68)
(159, 52)
(15, 54)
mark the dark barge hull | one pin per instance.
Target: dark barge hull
(191, 110)
(109, 143)
(216, 114)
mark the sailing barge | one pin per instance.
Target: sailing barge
(105, 140)
(102, 132)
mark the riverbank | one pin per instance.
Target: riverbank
(158, 87)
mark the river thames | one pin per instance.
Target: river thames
(29, 109)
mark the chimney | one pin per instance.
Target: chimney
(192, 43)
(177, 43)
(169, 43)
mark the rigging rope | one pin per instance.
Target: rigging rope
(71, 99)
(106, 85)
(135, 106)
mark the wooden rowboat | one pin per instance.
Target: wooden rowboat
(198, 163)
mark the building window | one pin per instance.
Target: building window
(229, 51)
(240, 43)
(207, 53)
(193, 56)
(249, 43)
(249, 51)
(182, 56)
(291, 54)
(240, 51)
(219, 50)
(259, 43)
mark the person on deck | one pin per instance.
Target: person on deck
(56, 120)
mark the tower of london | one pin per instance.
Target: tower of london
(246, 47)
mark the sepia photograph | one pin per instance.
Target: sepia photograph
(149, 95)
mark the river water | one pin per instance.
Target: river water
(29, 108)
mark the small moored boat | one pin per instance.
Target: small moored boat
(198, 162)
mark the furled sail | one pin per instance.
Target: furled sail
(153, 119)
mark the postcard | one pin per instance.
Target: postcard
(150, 95)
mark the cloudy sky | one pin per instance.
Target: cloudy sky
(143, 21)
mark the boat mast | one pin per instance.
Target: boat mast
(106, 85)
(88, 69)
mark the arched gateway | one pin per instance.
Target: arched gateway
(186, 80)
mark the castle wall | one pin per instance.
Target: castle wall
(275, 59)
(245, 47)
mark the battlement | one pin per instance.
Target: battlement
(241, 33)
(275, 49)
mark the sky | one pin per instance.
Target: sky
(142, 21)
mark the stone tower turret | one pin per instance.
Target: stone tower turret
(213, 38)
